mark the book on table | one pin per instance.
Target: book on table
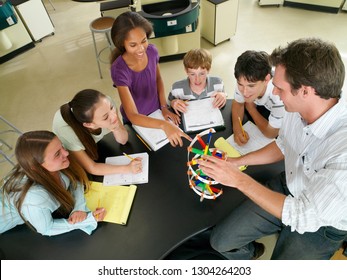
(127, 178)
(202, 115)
(154, 137)
(117, 200)
(257, 139)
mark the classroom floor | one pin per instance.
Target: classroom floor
(35, 83)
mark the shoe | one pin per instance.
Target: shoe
(259, 250)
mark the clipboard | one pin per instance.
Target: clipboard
(201, 115)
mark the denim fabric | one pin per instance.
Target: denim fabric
(320, 245)
(233, 237)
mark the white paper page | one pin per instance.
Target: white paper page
(128, 178)
(201, 115)
(155, 137)
(256, 140)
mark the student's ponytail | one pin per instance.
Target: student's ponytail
(81, 110)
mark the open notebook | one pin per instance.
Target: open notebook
(256, 140)
(128, 178)
(117, 200)
(202, 115)
(154, 137)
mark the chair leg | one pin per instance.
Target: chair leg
(50, 2)
(11, 125)
(7, 158)
(97, 55)
(4, 143)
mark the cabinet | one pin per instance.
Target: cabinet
(35, 18)
(219, 19)
(344, 7)
(330, 6)
(114, 8)
(270, 2)
(14, 40)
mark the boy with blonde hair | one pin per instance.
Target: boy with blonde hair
(197, 64)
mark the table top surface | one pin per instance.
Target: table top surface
(164, 214)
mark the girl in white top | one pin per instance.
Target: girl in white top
(45, 189)
(84, 121)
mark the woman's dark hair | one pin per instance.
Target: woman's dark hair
(81, 110)
(124, 23)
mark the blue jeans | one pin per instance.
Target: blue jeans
(234, 236)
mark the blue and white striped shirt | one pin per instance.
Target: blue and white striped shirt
(316, 170)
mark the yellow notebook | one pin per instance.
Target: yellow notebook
(223, 145)
(117, 200)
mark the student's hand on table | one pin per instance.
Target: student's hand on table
(219, 99)
(240, 139)
(179, 106)
(224, 172)
(136, 165)
(99, 214)
(170, 116)
(77, 217)
(174, 135)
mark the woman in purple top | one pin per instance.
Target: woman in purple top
(135, 72)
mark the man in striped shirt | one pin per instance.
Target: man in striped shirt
(307, 204)
(254, 98)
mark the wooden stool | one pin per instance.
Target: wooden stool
(102, 25)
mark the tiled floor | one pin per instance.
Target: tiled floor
(34, 84)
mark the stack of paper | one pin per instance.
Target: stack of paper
(202, 115)
(256, 141)
(117, 200)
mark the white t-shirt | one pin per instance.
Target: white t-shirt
(271, 102)
(68, 137)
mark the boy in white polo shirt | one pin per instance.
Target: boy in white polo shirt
(254, 98)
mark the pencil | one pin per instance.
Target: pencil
(129, 157)
(138, 136)
(243, 131)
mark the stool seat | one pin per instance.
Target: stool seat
(102, 25)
